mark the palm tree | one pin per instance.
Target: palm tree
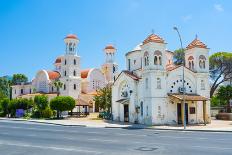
(58, 85)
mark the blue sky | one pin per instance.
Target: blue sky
(32, 31)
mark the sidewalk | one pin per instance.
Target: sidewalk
(215, 126)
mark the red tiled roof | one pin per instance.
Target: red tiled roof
(84, 73)
(71, 36)
(53, 75)
(130, 74)
(189, 97)
(153, 38)
(172, 68)
(58, 60)
(196, 43)
(111, 47)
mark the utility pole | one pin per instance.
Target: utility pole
(182, 49)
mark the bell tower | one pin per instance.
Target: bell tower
(70, 68)
(110, 68)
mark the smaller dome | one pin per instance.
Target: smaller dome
(153, 38)
(138, 47)
(196, 43)
(58, 60)
(71, 36)
(110, 49)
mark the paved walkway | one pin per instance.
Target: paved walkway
(216, 125)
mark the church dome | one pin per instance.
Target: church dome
(196, 43)
(153, 38)
(110, 49)
(71, 36)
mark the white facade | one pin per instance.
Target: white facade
(146, 92)
(81, 84)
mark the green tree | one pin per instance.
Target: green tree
(41, 102)
(220, 65)
(19, 78)
(225, 95)
(62, 103)
(58, 85)
(5, 106)
(12, 107)
(103, 99)
(178, 57)
(4, 88)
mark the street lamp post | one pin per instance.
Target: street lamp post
(182, 49)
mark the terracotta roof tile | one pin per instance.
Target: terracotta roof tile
(130, 74)
(71, 36)
(53, 75)
(84, 73)
(58, 60)
(196, 43)
(188, 97)
(153, 38)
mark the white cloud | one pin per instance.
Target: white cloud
(187, 18)
(218, 7)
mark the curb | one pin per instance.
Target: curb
(34, 121)
(115, 127)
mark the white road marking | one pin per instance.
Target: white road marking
(103, 140)
(127, 134)
(179, 137)
(195, 146)
(76, 149)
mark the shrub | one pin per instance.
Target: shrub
(36, 114)
(47, 113)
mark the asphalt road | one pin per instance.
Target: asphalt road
(24, 138)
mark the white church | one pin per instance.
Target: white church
(81, 84)
(150, 90)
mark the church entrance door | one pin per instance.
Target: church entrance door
(179, 113)
(126, 113)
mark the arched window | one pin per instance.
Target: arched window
(157, 58)
(74, 73)
(74, 87)
(65, 61)
(191, 63)
(202, 60)
(158, 83)
(70, 46)
(146, 59)
(74, 62)
(65, 73)
(160, 60)
(21, 91)
(64, 87)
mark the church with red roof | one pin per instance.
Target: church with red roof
(81, 84)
